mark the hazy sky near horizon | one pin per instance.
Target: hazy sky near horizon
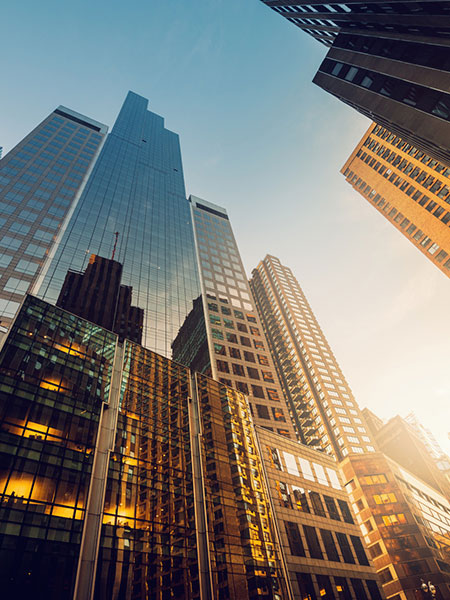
(233, 78)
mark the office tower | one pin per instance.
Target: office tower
(125, 476)
(406, 525)
(106, 482)
(408, 187)
(321, 402)
(389, 60)
(98, 296)
(223, 336)
(40, 182)
(135, 196)
(325, 556)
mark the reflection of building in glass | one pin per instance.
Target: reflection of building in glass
(389, 60)
(98, 296)
(40, 182)
(406, 186)
(406, 524)
(430, 442)
(322, 405)
(136, 189)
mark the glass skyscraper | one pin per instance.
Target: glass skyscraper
(136, 190)
(40, 181)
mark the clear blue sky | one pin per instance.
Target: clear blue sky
(234, 80)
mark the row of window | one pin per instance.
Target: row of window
(397, 217)
(328, 550)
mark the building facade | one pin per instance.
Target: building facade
(125, 476)
(224, 337)
(408, 187)
(135, 196)
(40, 182)
(388, 60)
(325, 557)
(321, 402)
(406, 526)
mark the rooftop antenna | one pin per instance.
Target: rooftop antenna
(115, 245)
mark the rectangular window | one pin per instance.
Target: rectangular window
(345, 547)
(291, 464)
(294, 539)
(332, 508)
(330, 546)
(312, 540)
(359, 550)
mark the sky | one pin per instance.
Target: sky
(233, 78)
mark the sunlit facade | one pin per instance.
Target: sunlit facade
(406, 186)
(136, 190)
(40, 182)
(406, 525)
(124, 473)
(321, 402)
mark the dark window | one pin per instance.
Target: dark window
(222, 365)
(242, 327)
(332, 508)
(234, 353)
(317, 505)
(278, 414)
(294, 539)
(360, 591)
(313, 542)
(342, 588)
(374, 592)
(375, 550)
(345, 547)
(273, 394)
(330, 546)
(346, 514)
(306, 586)
(253, 373)
(249, 356)
(325, 589)
(245, 341)
(385, 575)
(257, 391)
(262, 411)
(242, 387)
(359, 550)
(231, 337)
(238, 370)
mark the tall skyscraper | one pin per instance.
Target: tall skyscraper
(408, 187)
(136, 189)
(321, 402)
(389, 60)
(224, 327)
(40, 182)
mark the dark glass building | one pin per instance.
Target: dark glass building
(389, 60)
(137, 190)
(98, 296)
(40, 182)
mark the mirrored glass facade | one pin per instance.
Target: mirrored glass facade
(55, 370)
(136, 189)
(40, 180)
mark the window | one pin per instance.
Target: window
(325, 589)
(253, 373)
(234, 353)
(306, 586)
(245, 341)
(385, 575)
(301, 499)
(345, 547)
(242, 387)
(257, 391)
(398, 519)
(332, 508)
(294, 539)
(360, 591)
(222, 366)
(26, 266)
(359, 550)
(278, 414)
(249, 356)
(345, 510)
(330, 546)
(375, 550)
(16, 286)
(312, 541)
(317, 504)
(384, 498)
(262, 411)
(373, 479)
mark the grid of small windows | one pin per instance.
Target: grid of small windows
(38, 183)
(295, 334)
(396, 168)
(241, 357)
